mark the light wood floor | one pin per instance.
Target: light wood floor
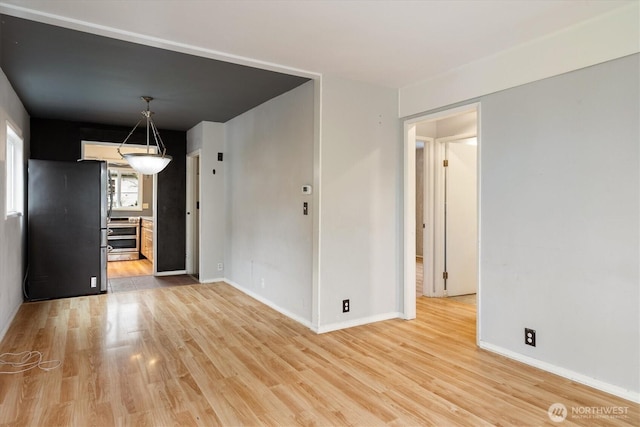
(117, 269)
(209, 355)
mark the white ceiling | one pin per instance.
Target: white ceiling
(390, 43)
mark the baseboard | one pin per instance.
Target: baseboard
(357, 322)
(565, 373)
(268, 303)
(211, 280)
(4, 330)
(170, 273)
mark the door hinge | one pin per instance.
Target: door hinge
(445, 163)
(445, 275)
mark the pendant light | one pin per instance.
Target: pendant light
(147, 163)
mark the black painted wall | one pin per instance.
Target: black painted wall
(62, 140)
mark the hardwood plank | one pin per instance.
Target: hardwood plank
(118, 269)
(210, 355)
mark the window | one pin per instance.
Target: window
(125, 184)
(14, 173)
(125, 188)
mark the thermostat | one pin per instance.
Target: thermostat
(306, 189)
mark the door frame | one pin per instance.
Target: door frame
(409, 205)
(192, 243)
(427, 215)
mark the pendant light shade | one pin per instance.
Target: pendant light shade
(149, 163)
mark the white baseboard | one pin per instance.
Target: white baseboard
(305, 322)
(9, 322)
(566, 373)
(268, 303)
(211, 280)
(357, 322)
(170, 273)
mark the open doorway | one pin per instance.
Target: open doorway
(441, 216)
(131, 213)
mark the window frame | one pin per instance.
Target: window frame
(14, 171)
(118, 186)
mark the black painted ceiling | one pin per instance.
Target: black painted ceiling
(71, 75)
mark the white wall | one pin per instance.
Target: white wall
(560, 197)
(612, 35)
(466, 123)
(12, 230)
(361, 159)
(269, 156)
(208, 137)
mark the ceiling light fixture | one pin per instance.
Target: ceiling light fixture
(148, 163)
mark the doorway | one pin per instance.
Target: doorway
(131, 212)
(193, 214)
(449, 143)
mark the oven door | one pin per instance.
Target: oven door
(123, 241)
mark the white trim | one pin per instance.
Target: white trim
(15, 184)
(118, 34)
(316, 239)
(409, 223)
(358, 322)
(268, 303)
(479, 209)
(212, 280)
(565, 373)
(428, 217)
(167, 273)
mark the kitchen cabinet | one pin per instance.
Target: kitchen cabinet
(146, 244)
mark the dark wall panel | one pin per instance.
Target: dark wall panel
(62, 140)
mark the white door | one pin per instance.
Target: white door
(461, 217)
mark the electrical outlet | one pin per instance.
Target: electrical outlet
(262, 283)
(530, 337)
(220, 266)
(345, 305)
(94, 282)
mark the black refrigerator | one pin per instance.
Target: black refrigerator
(67, 229)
